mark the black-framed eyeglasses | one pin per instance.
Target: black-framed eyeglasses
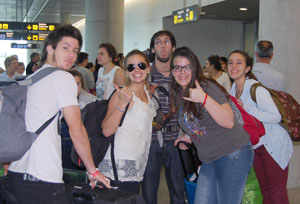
(177, 68)
(140, 65)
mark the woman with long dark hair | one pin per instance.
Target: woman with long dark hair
(205, 115)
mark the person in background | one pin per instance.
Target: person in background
(215, 71)
(11, 66)
(133, 138)
(38, 176)
(205, 115)
(33, 64)
(21, 68)
(87, 75)
(223, 61)
(109, 73)
(83, 96)
(262, 69)
(162, 150)
(91, 67)
(274, 149)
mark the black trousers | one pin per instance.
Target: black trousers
(29, 190)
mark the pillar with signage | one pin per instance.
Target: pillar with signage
(104, 23)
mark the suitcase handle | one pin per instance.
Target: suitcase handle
(191, 153)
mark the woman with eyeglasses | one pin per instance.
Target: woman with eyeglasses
(205, 115)
(133, 138)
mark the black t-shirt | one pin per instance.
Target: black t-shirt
(211, 140)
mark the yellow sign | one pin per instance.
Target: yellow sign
(51, 27)
(35, 37)
(29, 27)
(28, 37)
(35, 27)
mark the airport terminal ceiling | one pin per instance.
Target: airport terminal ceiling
(71, 11)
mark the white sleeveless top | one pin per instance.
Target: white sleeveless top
(105, 83)
(132, 143)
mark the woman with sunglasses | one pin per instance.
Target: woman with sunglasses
(274, 150)
(205, 115)
(133, 138)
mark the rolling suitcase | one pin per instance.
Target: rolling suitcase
(81, 193)
(189, 162)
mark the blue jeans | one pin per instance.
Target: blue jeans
(223, 180)
(169, 156)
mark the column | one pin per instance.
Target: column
(104, 23)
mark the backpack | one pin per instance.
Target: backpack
(14, 137)
(92, 116)
(251, 125)
(161, 119)
(287, 106)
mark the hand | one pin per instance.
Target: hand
(125, 95)
(101, 178)
(186, 139)
(196, 95)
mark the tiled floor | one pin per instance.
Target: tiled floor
(163, 193)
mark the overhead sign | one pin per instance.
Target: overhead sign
(28, 26)
(185, 15)
(23, 36)
(25, 46)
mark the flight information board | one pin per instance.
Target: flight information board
(28, 26)
(25, 31)
(186, 15)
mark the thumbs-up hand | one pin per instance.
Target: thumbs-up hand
(125, 95)
(196, 95)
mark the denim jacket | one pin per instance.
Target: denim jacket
(276, 140)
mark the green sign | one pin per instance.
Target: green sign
(185, 15)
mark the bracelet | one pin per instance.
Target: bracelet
(92, 175)
(119, 109)
(204, 100)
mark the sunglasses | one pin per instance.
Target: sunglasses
(141, 65)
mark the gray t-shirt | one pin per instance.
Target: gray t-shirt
(211, 140)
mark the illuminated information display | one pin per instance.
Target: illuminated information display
(186, 15)
(25, 31)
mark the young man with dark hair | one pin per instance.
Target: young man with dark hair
(37, 176)
(162, 150)
(88, 77)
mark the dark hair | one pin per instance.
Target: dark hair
(163, 32)
(224, 59)
(55, 37)
(248, 60)
(89, 65)
(81, 57)
(111, 50)
(215, 60)
(78, 74)
(264, 49)
(197, 74)
(33, 55)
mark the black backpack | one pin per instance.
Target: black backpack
(92, 117)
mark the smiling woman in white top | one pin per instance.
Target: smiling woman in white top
(133, 138)
(274, 150)
(109, 73)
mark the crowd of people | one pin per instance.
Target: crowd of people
(198, 105)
